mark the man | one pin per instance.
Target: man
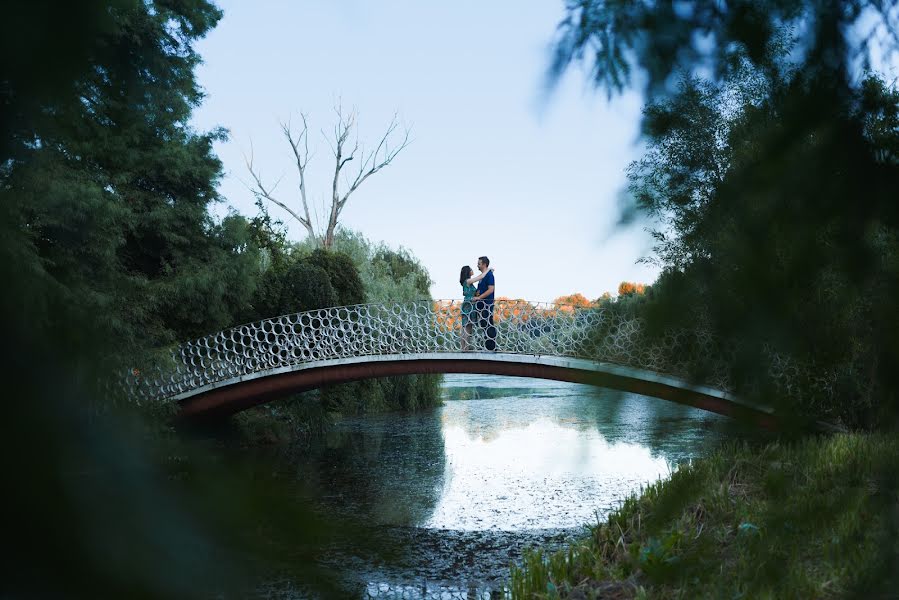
(483, 302)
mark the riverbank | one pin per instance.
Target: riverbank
(816, 518)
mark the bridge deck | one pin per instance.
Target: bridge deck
(238, 393)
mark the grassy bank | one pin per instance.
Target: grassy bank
(817, 518)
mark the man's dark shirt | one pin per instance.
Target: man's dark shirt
(483, 284)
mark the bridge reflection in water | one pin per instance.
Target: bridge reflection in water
(246, 365)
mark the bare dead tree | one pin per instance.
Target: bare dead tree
(369, 164)
(302, 159)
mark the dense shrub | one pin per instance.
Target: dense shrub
(342, 273)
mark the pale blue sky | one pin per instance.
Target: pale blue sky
(491, 169)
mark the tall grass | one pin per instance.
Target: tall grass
(817, 518)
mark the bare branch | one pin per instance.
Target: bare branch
(302, 160)
(344, 151)
(260, 191)
(342, 130)
(371, 165)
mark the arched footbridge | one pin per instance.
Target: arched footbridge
(229, 371)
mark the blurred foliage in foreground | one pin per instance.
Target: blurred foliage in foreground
(770, 183)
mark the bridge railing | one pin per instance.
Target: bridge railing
(423, 327)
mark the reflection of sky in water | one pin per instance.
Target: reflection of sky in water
(543, 475)
(506, 463)
(525, 454)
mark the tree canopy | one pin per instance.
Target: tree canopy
(769, 181)
(107, 187)
(661, 40)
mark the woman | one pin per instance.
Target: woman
(468, 292)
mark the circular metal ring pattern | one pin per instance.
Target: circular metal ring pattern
(435, 326)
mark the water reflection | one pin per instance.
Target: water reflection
(544, 475)
(384, 469)
(525, 455)
(505, 464)
(669, 431)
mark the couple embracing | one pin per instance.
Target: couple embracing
(477, 303)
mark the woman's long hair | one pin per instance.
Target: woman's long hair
(465, 274)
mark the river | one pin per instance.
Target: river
(505, 463)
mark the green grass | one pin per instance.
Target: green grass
(817, 518)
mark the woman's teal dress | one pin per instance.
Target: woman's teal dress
(468, 292)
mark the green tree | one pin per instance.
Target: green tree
(604, 299)
(343, 274)
(108, 187)
(306, 286)
(693, 136)
(294, 281)
(400, 266)
(776, 254)
(772, 182)
(47, 46)
(296, 286)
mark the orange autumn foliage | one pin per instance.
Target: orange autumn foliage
(448, 314)
(520, 310)
(568, 304)
(628, 288)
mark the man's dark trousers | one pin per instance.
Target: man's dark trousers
(485, 321)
